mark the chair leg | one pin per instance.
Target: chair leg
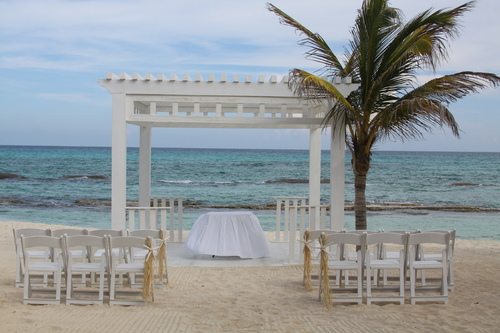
(101, 285)
(19, 269)
(27, 287)
(402, 284)
(368, 285)
(445, 283)
(422, 276)
(112, 287)
(69, 284)
(412, 285)
(57, 280)
(360, 285)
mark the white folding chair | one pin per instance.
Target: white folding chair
(78, 254)
(118, 266)
(102, 233)
(41, 265)
(437, 256)
(41, 254)
(417, 263)
(159, 238)
(92, 243)
(343, 263)
(375, 261)
(311, 243)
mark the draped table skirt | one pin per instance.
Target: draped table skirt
(228, 234)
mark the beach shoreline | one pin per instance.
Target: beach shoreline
(261, 299)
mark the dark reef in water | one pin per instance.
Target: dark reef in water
(7, 175)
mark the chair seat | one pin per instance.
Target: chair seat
(44, 266)
(427, 264)
(102, 252)
(433, 256)
(37, 253)
(384, 263)
(140, 254)
(342, 264)
(392, 255)
(129, 267)
(86, 266)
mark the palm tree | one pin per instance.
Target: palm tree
(384, 57)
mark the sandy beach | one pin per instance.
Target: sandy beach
(261, 299)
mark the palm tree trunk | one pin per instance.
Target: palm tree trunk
(360, 200)
(360, 166)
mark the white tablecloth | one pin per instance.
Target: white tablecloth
(228, 234)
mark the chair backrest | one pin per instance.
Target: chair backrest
(84, 240)
(387, 238)
(41, 241)
(430, 238)
(360, 231)
(314, 234)
(27, 232)
(69, 232)
(126, 243)
(45, 242)
(89, 243)
(345, 238)
(144, 233)
(106, 232)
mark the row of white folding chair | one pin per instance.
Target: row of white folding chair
(428, 255)
(337, 251)
(357, 251)
(363, 241)
(124, 259)
(424, 256)
(64, 260)
(28, 232)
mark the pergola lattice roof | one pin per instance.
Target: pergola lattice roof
(238, 102)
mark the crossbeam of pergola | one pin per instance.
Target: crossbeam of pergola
(237, 102)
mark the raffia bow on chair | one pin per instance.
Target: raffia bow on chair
(325, 280)
(307, 261)
(162, 258)
(149, 271)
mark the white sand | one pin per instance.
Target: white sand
(262, 299)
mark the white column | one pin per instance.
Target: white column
(119, 162)
(314, 174)
(337, 177)
(144, 166)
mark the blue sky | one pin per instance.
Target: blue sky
(53, 52)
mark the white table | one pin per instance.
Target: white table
(228, 234)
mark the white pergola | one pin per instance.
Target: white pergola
(237, 102)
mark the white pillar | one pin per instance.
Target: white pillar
(144, 166)
(119, 162)
(314, 175)
(337, 177)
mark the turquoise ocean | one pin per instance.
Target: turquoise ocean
(407, 190)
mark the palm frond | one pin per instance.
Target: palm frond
(315, 88)
(319, 50)
(427, 106)
(450, 88)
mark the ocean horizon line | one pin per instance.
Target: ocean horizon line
(247, 149)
